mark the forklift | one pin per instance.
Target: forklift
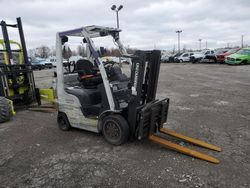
(17, 84)
(98, 97)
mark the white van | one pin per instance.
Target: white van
(52, 59)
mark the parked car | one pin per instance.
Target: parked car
(52, 60)
(48, 64)
(40, 63)
(185, 57)
(222, 56)
(196, 57)
(37, 64)
(164, 59)
(212, 57)
(240, 57)
(199, 56)
(174, 57)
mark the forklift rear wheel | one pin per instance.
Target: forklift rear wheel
(115, 129)
(5, 110)
(63, 121)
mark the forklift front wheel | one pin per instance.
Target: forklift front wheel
(63, 122)
(115, 129)
(5, 109)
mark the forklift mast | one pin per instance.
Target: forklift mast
(144, 75)
(19, 26)
(17, 79)
(143, 108)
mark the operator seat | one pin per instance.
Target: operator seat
(88, 74)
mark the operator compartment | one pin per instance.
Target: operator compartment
(84, 86)
(87, 85)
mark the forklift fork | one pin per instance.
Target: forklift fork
(152, 117)
(168, 144)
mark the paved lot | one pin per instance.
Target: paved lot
(210, 102)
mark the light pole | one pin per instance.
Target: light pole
(179, 32)
(117, 15)
(200, 43)
(242, 41)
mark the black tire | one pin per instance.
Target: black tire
(115, 129)
(5, 110)
(193, 60)
(244, 62)
(63, 122)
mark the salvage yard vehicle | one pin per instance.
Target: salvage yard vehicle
(173, 58)
(165, 56)
(221, 57)
(185, 57)
(97, 96)
(197, 57)
(212, 58)
(241, 57)
(37, 64)
(164, 59)
(52, 60)
(41, 63)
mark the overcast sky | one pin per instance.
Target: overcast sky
(146, 24)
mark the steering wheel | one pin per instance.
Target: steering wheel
(108, 63)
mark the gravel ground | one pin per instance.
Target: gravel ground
(209, 102)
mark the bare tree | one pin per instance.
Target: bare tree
(32, 52)
(53, 52)
(42, 51)
(115, 52)
(81, 50)
(131, 50)
(67, 53)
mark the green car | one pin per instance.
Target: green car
(240, 57)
